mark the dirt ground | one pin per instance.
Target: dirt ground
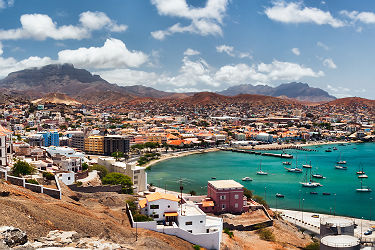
(286, 237)
(94, 215)
(245, 219)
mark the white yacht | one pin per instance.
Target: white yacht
(363, 189)
(247, 179)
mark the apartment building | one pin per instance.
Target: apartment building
(3, 150)
(78, 141)
(50, 138)
(116, 143)
(94, 145)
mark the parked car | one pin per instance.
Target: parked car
(368, 232)
(315, 215)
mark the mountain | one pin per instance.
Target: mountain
(78, 84)
(295, 90)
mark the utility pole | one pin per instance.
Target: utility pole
(302, 208)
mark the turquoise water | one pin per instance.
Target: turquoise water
(196, 170)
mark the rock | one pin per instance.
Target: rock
(12, 237)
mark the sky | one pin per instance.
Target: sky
(197, 45)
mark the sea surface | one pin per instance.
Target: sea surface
(195, 170)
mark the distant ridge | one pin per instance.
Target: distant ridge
(295, 90)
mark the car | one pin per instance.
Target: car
(315, 216)
(368, 232)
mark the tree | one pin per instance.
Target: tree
(248, 193)
(118, 178)
(117, 155)
(102, 170)
(22, 168)
(85, 166)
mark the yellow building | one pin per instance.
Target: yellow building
(94, 145)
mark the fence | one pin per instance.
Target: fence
(96, 189)
(55, 193)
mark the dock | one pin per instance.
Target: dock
(286, 156)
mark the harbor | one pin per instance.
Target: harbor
(281, 155)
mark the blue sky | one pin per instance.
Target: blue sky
(196, 45)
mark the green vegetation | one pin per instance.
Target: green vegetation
(117, 155)
(196, 247)
(248, 193)
(49, 176)
(266, 234)
(118, 178)
(230, 233)
(79, 183)
(260, 200)
(312, 246)
(32, 181)
(147, 158)
(103, 171)
(22, 168)
(85, 166)
(141, 217)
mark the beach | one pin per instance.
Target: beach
(276, 146)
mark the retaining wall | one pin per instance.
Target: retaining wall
(96, 189)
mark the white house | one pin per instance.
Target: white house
(186, 220)
(67, 177)
(3, 150)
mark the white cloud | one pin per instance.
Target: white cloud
(41, 27)
(225, 49)
(338, 91)
(364, 17)
(131, 77)
(113, 54)
(2, 4)
(10, 3)
(8, 65)
(328, 62)
(295, 12)
(322, 45)
(204, 21)
(296, 51)
(1, 49)
(191, 52)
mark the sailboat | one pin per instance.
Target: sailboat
(341, 161)
(361, 172)
(341, 167)
(260, 172)
(247, 179)
(295, 169)
(363, 189)
(307, 165)
(310, 183)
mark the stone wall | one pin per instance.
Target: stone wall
(96, 189)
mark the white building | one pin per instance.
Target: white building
(136, 173)
(186, 220)
(3, 150)
(68, 178)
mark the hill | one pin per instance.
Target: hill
(295, 90)
(352, 102)
(57, 98)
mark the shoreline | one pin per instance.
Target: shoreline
(179, 154)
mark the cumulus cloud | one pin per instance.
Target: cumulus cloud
(204, 21)
(295, 12)
(328, 62)
(339, 91)
(113, 54)
(296, 51)
(364, 17)
(1, 49)
(10, 64)
(41, 27)
(191, 52)
(225, 49)
(131, 77)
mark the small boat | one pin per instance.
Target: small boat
(361, 172)
(326, 193)
(363, 189)
(341, 167)
(362, 176)
(306, 166)
(334, 148)
(310, 183)
(280, 195)
(328, 150)
(213, 178)
(318, 176)
(313, 192)
(340, 162)
(294, 170)
(247, 179)
(260, 172)
(287, 163)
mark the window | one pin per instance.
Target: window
(236, 205)
(137, 171)
(236, 196)
(201, 221)
(207, 230)
(156, 216)
(154, 206)
(188, 223)
(169, 206)
(223, 206)
(68, 178)
(190, 231)
(222, 197)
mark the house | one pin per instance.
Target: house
(181, 218)
(224, 196)
(3, 150)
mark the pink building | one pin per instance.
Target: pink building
(224, 196)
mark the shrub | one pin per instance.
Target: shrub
(248, 193)
(230, 233)
(312, 246)
(48, 176)
(118, 178)
(85, 166)
(196, 247)
(102, 170)
(266, 234)
(141, 217)
(79, 183)
(22, 168)
(132, 206)
(260, 200)
(32, 181)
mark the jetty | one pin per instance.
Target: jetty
(287, 156)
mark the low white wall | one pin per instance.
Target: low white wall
(150, 225)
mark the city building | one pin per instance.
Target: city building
(36, 140)
(116, 143)
(3, 150)
(50, 138)
(94, 145)
(224, 196)
(78, 141)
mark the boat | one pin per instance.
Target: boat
(213, 178)
(362, 176)
(280, 195)
(287, 163)
(334, 148)
(294, 170)
(363, 189)
(340, 162)
(260, 172)
(247, 179)
(361, 172)
(310, 183)
(341, 167)
(313, 192)
(307, 166)
(328, 150)
(318, 176)
(326, 193)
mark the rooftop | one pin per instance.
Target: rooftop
(220, 184)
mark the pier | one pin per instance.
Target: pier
(287, 156)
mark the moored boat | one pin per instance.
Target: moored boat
(280, 195)
(341, 167)
(247, 179)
